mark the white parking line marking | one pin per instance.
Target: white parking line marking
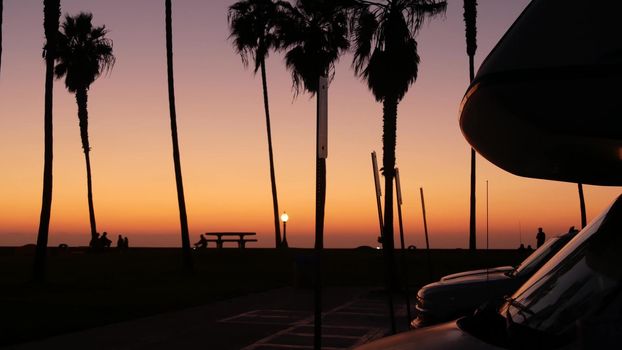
(347, 309)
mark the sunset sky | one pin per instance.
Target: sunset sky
(223, 139)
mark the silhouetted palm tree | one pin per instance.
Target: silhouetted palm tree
(51, 15)
(253, 25)
(315, 34)
(84, 53)
(470, 16)
(183, 218)
(385, 56)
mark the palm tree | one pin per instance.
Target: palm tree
(470, 16)
(84, 53)
(253, 25)
(385, 56)
(315, 33)
(183, 218)
(51, 15)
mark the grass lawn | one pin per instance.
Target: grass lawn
(86, 290)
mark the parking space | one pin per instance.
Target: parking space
(344, 327)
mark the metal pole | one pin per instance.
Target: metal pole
(582, 206)
(487, 254)
(398, 189)
(374, 163)
(405, 274)
(321, 155)
(389, 292)
(425, 229)
(284, 242)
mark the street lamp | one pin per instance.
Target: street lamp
(284, 218)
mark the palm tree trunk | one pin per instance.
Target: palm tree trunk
(183, 218)
(83, 116)
(1, 10)
(389, 140)
(51, 12)
(320, 175)
(470, 17)
(582, 205)
(275, 200)
(472, 208)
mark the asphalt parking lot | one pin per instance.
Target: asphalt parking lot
(276, 319)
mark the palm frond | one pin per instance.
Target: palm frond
(385, 46)
(364, 32)
(315, 34)
(470, 16)
(84, 52)
(418, 10)
(252, 27)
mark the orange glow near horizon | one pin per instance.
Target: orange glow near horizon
(223, 140)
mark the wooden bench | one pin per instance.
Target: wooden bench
(241, 239)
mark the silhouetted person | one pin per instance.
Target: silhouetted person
(529, 249)
(104, 242)
(540, 237)
(94, 244)
(202, 243)
(120, 243)
(521, 248)
(126, 243)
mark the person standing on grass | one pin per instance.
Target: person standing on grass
(540, 237)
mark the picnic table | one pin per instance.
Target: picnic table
(239, 237)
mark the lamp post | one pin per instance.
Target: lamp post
(284, 218)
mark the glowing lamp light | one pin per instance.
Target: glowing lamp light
(284, 218)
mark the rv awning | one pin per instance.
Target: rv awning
(547, 101)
